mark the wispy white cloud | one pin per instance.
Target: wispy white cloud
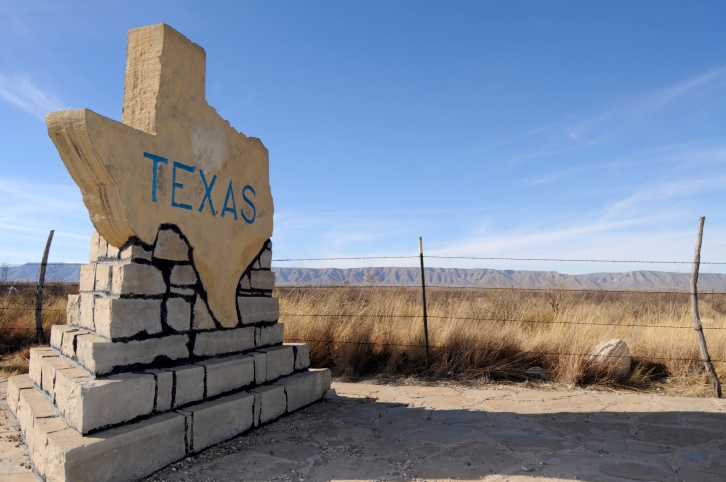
(681, 156)
(630, 110)
(30, 210)
(579, 132)
(23, 93)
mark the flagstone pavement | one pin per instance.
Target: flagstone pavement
(382, 432)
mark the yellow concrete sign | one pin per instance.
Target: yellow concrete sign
(172, 160)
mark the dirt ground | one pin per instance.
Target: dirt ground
(513, 433)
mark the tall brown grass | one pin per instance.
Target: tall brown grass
(498, 334)
(473, 333)
(17, 320)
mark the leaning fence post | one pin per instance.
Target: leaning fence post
(423, 298)
(697, 319)
(39, 291)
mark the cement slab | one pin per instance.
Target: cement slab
(380, 432)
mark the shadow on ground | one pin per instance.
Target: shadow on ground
(359, 438)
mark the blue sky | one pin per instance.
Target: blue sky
(518, 129)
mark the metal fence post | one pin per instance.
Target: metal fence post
(423, 298)
(39, 292)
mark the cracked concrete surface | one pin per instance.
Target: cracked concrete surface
(380, 432)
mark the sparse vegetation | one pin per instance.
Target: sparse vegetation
(17, 320)
(362, 332)
(471, 338)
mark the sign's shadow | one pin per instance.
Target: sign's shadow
(363, 439)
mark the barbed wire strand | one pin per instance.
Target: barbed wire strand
(492, 258)
(533, 352)
(507, 320)
(509, 288)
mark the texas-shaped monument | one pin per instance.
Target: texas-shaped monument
(174, 160)
(173, 342)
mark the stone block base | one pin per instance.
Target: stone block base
(135, 450)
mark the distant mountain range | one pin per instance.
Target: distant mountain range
(56, 272)
(441, 277)
(488, 278)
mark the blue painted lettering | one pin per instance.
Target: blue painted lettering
(233, 209)
(175, 185)
(207, 192)
(155, 180)
(254, 210)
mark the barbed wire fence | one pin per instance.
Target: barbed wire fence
(693, 293)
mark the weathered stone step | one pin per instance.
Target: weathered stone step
(133, 451)
(89, 403)
(102, 356)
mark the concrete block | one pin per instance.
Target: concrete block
(302, 355)
(164, 389)
(137, 279)
(178, 314)
(280, 361)
(266, 258)
(270, 403)
(88, 404)
(85, 320)
(222, 342)
(93, 255)
(260, 366)
(123, 454)
(37, 355)
(103, 277)
(56, 335)
(121, 318)
(228, 373)
(15, 384)
(68, 347)
(305, 388)
(32, 405)
(182, 291)
(112, 251)
(183, 275)
(188, 384)
(170, 246)
(73, 310)
(35, 437)
(262, 280)
(244, 283)
(102, 247)
(202, 319)
(269, 335)
(255, 309)
(134, 252)
(49, 367)
(88, 277)
(101, 356)
(221, 419)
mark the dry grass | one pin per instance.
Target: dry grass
(469, 339)
(17, 321)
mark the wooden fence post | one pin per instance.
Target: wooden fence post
(39, 292)
(708, 365)
(423, 297)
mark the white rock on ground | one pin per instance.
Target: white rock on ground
(614, 355)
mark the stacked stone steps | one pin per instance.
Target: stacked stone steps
(89, 403)
(101, 356)
(143, 367)
(132, 451)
